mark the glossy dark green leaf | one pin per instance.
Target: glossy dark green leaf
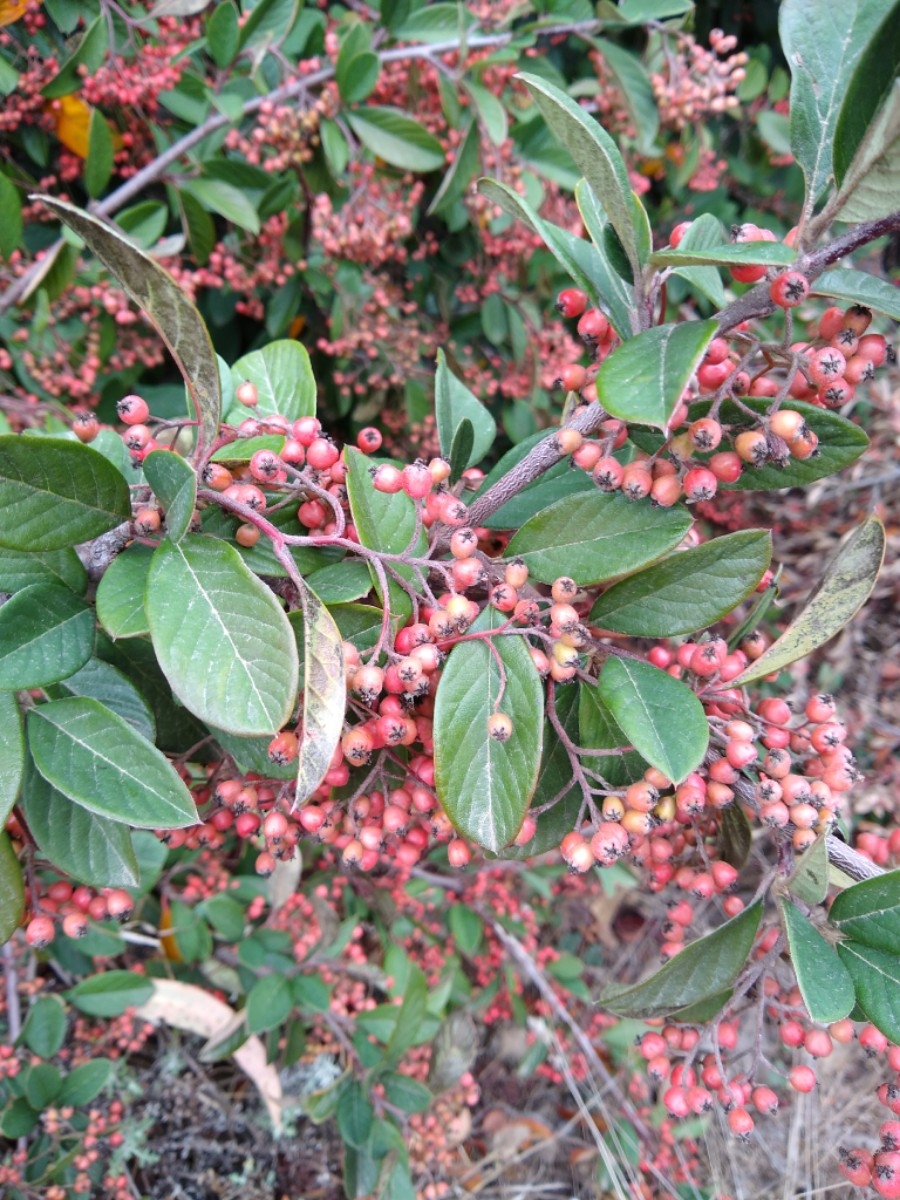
(222, 33)
(20, 568)
(876, 977)
(222, 639)
(700, 971)
(44, 1030)
(847, 285)
(397, 138)
(283, 378)
(824, 982)
(644, 380)
(809, 879)
(98, 165)
(595, 536)
(823, 45)
(174, 484)
(661, 716)
(453, 402)
(175, 319)
(46, 633)
(110, 993)
(89, 847)
(688, 590)
(120, 595)
(869, 912)
(12, 889)
(595, 154)
(842, 591)
(55, 493)
(95, 757)
(324, 694)
(485, 786)
(461, 449)
(86, 1081)
(89, 54)
(12, 753)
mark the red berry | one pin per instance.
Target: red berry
(369, 439)
(571, 302)
(789, 289)
(593, 327)
(133, 410)
(40, 932)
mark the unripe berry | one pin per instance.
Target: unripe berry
(458, 853)
(85, 426)
(752, 446)
(246, 394)
(499, 727)
(802, 1078)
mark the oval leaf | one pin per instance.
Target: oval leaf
(869, 912)
(44, 1030)
(660, 716)
(79, 843)
(120, 594)
(824, 982)
(699, 972)
(809, 880)
(12, 889)
(485, 786)
(98, 760)
(396, 138)
(109, 994)
(454, 403)
(175, 487)
(643, 381)
(104, 682)
(269, 1003)
(845, 587)
(175, 319)
(876, 976)
(12, 753)
(46, 633)
(21, 568)
(858, 287)
(85, 1082)
(283, 378)
(688, 590)
(55, 493)
(324, 694)
(222, 639)
(594, 536)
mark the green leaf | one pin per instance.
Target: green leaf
(227, 915)
(869, 912)
(408, 1027)
(85, 1082)
(823, 45)
(269, 21)
(175, 486)
(467, 929)
(396, 138)
(635, 90)
(597, 730)
(79, 843)
(18, 1119)
(842, 591)
(858, 287)
(490, 111)
(98, 166)
(824, 981)
(95, 757)
(874, 77)
(145, 223)
(120, 595)
(173, 316)
(104, 682)
(434, 23)
(644, 380)
(90, 53)
(42, 1084)
(283, 378)
(595, 536)
(688, 590)
(44, 1030)
(876, 977)
(230, 202)
(11, 228)
(190, 932)
(199, 227)
(869, 187)
(704, 232)
(46, 633)
(109, 994)
(728, 254)
(406, 1093)
(55, 494)
(357, 76)
(269, 1003)
(222, 33)
(809, 879)
(485, 786)
(735, 835)
(222, 639)
(699, 972)
(341, 582)
(355, 1115)
(596, 156)
(461, 448)
(12, 753)
(12, 889)
(661, 716)
(324, 694)
(20, 568)
(453, 403)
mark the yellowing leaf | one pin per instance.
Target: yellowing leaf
(73, 120)
(11, 10)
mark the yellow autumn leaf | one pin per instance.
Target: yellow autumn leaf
(11, 10)
(73, 122)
